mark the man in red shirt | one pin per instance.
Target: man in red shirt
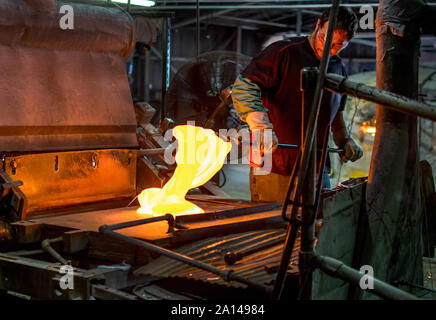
(267, 95)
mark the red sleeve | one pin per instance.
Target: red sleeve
(264, 69)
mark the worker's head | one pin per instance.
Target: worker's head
(346, 26)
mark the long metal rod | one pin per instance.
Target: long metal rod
(227, 274)
(306, 151)
(336, 83)
(166, 62)
(129, 224)
(338, 269)
(266, 7)
(197, 29)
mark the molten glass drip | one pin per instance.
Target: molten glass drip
(200, 155)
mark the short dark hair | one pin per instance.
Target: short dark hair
(347, 20)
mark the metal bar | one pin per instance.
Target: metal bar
(321, 171)
(46, 245)
(397, 102)
(166, 62)
(338, 269)
(290, 186)
(129, 224)
(264, 7)
(229, 213)
(152, 14)
(365, 42)
(308, 191)
(227, 274)
(197, 29)
(299, 21)
(147, 76)
(245, 2)
(306, 151)
(159, 56)
(238, 39)
(294, 146)
(232, 257)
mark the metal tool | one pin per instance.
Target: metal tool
(294, 146)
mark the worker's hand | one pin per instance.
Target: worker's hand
(263, 139)
(263, 135)
(352, 151)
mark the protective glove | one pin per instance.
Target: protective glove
(352, 151)
(262, 132)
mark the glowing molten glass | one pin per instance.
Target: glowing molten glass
(367, 127)
(200, 155)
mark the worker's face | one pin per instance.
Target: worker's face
(339, 41)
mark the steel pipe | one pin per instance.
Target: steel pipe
(227, 274)
(46, 246)
(339, 84)
(129, 224)
(263, 6)
(338, 269)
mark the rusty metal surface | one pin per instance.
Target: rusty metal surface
(67, 178)
(255, 267)
(64, 89)
(98, 29)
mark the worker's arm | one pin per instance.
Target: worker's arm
(246, 96)
(247, 100)
(341, 137)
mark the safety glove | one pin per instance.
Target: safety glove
(352, 151)
(263, 139)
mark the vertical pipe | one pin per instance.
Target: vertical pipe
(308, 194)
(299, 21)
(197, 30)
(166, 60)
(238, 39)
(305, 152)
(147, 76)
(394, 246)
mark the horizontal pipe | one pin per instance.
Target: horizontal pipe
(338, 269)
(227, 274)
(262, 7)
(129, 224)
(339, 84)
